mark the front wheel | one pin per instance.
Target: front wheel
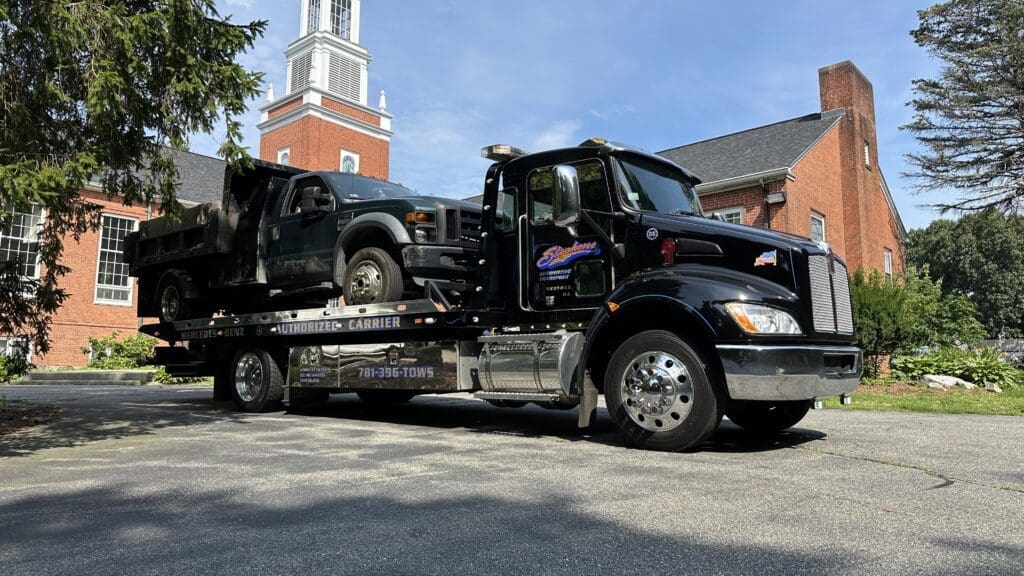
(372, 277)
(659, 393)
(257, 384)
(767, 417)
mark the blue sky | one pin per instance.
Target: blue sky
(461, 74)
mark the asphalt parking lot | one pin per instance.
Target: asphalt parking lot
(165, 481)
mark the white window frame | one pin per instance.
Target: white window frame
(824, 231)
(867, 154)
(724, 212)
(341, 160)
(282, 152)
(96, 277)
(42, 219)
(887, 262)
(7, 346)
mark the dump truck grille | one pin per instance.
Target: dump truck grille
(830, 296)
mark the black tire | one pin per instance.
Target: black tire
(254, 392)
(767, 417)
(372, 277)
(385, 397)
(177, 306)
(678, 386)
(302, 397)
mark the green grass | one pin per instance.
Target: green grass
(899, 397)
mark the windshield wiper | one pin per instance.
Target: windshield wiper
(681, 212)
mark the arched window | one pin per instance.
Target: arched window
(285, 158)
(313, 23)
(348, 164)
(341, 18)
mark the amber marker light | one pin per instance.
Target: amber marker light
(418, 217)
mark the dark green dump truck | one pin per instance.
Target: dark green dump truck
(282, 238)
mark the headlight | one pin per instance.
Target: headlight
(757, 319)
(421, 236)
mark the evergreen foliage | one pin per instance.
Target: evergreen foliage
(969, 119)
(93, 91)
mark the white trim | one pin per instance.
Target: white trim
(96, 277)
(42, 220)
(313, 94)
(282, 152)
(824, 233)
(341, 160)
(887, 262)
(744, 181)
(733, 210)
(324, 114)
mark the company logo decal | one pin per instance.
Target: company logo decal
(558, 256)
(652, 233)
(769, 258)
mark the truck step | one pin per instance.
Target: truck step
(520, 396)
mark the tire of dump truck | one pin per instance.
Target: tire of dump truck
(767, 417)
(257, 384)
(372, 277)
(659, 393)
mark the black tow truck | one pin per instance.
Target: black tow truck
(596, 273)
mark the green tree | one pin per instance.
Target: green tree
(878, 305)
(981, 257)
(969, 119)
(94, 90)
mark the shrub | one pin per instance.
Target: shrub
(981, 366)
(160, 376)
(13, 367)
(114, 353)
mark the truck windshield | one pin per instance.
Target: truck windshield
(355, 187)
(655, 187)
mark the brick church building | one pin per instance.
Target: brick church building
(816, 175)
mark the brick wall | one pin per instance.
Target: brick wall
(316, 144)
(869, 223)
(80, 316)
(818, 187)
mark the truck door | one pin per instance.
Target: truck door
(301, 247)
(559, 271)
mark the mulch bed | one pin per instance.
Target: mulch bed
(20, 415)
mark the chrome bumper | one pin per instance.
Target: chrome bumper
(789, 372)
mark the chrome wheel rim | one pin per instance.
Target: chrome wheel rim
(248, 376)
(367, 283)
(170, 303)
(657, 391)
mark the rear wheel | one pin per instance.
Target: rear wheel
(172, 304)
(257, 384)
(658, 391)
(372, 277)
(767, 417)
(385, 397)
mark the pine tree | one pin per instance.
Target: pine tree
(93, 91)
(970, 120)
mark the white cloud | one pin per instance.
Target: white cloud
(558, 135)
(239, 3)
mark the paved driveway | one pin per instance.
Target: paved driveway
(164, 481)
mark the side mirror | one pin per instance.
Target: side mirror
(315, 199)
(567, 192)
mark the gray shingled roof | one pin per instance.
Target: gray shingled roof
(200, 178)
(753, 151)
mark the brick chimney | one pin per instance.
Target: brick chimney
(843, 86)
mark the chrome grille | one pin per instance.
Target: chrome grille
(841, 289)
(822, 311)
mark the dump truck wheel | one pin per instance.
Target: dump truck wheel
(372, 277)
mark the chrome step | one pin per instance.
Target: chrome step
(520, 396)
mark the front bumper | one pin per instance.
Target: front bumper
(755, 372)
(447, 264)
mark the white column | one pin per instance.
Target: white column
(325, 15)
(354, 36)
(304, 17)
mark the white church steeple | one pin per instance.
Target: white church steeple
(323, 121)
(327, 54)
